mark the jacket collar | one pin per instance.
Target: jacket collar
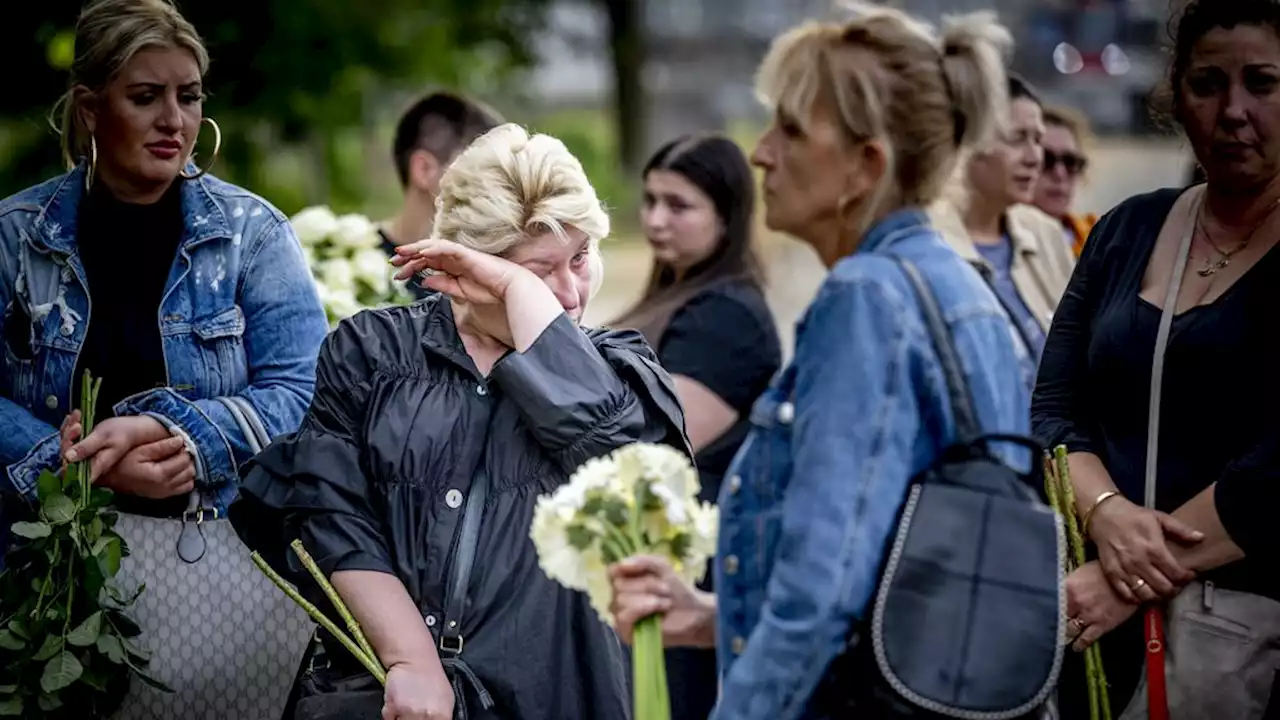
(950, 224)
(893, 226)
(55, 226)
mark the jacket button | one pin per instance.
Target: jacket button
(731, 565)
(453, 498)
(737, 645)
(66, 330)
(481, 390)
(786, 413)
(735, 484)
(51, 402)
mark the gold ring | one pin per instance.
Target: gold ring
(1138, 585)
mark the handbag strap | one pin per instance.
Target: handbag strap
(1153, 616)
(957, 388)
(1157, 362)
(455, 602)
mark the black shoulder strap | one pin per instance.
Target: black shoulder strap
(455, 601)
(957, 387)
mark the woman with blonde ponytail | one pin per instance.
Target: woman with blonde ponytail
(871, 116)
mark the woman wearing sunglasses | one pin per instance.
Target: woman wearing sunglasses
(1066, 134)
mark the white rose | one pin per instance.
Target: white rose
(340, 303)
(371, 267)
(355, 231)
(312, 225)
(338, 274)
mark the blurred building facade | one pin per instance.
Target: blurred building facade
(1101, 56)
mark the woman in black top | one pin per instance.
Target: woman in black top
(704, 312)
(446, 420)
(1218, 421)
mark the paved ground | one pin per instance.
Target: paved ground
(1119, 170)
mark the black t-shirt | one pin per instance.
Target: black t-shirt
(725, 339)
(128, 252)
(413, 284)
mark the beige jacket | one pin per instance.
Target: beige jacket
(1042, 260)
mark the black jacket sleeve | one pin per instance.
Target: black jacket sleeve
(313, 484)
(1060, 413)
(584, 395)
(1246, 495)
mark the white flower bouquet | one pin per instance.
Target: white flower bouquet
(348, 265)
(641, 499)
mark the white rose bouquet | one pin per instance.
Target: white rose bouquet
(351, 271)
(641, 499)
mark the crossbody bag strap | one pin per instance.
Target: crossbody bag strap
(1153, 618)
(455, 601)
(957, 388)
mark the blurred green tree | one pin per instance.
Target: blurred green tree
(292, 72)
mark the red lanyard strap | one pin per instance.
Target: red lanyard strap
(1157, 697)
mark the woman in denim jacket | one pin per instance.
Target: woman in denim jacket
(808, 508)
(175, 288)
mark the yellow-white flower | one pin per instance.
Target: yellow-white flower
(597, 511)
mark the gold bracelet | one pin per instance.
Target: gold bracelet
(1088, 514)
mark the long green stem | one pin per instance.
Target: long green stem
(1095, 676)
(370, 663)
(332, 593)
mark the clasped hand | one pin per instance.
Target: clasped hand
(1133, 547)
(135, 455)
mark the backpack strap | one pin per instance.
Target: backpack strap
(967, 428)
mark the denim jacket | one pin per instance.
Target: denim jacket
(815, 490)
(239, 317)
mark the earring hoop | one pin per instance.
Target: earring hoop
(91, 164)
(217, 146)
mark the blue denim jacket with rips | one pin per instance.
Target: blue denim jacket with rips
(815, 491)
(240, 317)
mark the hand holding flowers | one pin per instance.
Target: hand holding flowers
(639, 501)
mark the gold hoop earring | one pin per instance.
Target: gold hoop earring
(91, 164)
(217, 146)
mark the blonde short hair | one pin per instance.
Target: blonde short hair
(886, 76)
(508, 186)
(108, 34)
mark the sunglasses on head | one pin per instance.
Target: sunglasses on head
(1073, 163)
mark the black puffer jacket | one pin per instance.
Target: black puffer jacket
(401, 423)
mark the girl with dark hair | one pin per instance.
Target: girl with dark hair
(705, 314)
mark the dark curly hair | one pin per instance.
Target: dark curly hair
(1197, 19)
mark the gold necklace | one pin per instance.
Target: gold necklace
(1224, 256)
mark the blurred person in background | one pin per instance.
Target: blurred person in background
(987, 217)
(1207, 256)
(704, 313)
(1066, 139)
(428, 137)
(870, 118)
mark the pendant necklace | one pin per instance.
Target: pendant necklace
(1224, 256)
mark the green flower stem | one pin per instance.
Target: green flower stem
(1096, 677)
(624, 544)
(649, 671)
(370, 663)
(332, 593)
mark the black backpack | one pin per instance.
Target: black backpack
(968, 617)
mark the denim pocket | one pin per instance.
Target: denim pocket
(19, 356)
(220, 342)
